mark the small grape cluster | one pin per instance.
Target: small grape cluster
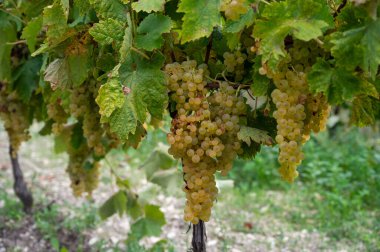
(317, 111)
(83, 171)
(203, 134)
(289, 97)
(234, 63)
(14, 114)
(56, 112)
(234, 8)
(83, 107)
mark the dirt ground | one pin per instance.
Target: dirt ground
(45, 172)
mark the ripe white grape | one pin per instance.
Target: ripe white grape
(205, 124)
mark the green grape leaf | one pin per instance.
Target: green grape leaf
(150, 224)
(150, 30)
(235, 26)
(31, 31)
(358, 47)
(123, 121)
(135, 138)
(149, 5)
(260, 83)
(167, 179)
(337, 83)
(25, 79)
(83, 6)
(117, 203)
(158, 160)
(147, 84)
(8, 34)
(303, 19)
(134, 209)
(110, 9)
(110, 97)
(199, 19)
(107, 31)
(78, 67)
(364, 111)
(248, 134)
(126, 45)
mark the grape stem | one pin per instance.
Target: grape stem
(340, 7)
(199, 237)
(208, 49)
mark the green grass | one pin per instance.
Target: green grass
(337, 191)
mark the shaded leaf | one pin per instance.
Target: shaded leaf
(337, 83)
(364, 111)
(151, 224)
(26, 78)
(246, 134)
(150, 30)
(117, 203)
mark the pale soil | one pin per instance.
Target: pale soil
(45, 172)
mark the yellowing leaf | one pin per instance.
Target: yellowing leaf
(110, 97)
(150, 30)
(149, 5)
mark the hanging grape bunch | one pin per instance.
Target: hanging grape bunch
(203, 134)
(298, 110)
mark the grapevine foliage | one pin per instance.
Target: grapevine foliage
(233, 75)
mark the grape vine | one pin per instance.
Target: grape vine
(233, 75)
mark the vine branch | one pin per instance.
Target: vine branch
(340, 7)
(208, 49)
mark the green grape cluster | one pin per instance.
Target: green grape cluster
(83, 107)
(303, 56)
(203, 134)
(234, 63)
(317, 111)
(234, 8)
(83, 171)
(56, 112)
(14, 114)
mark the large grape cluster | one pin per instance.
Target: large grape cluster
(234, 8)
(203, 134)
(14, 114)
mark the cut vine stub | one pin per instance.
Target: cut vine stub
(19, 186)
(198, 242)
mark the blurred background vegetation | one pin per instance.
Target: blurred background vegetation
(336, 196)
